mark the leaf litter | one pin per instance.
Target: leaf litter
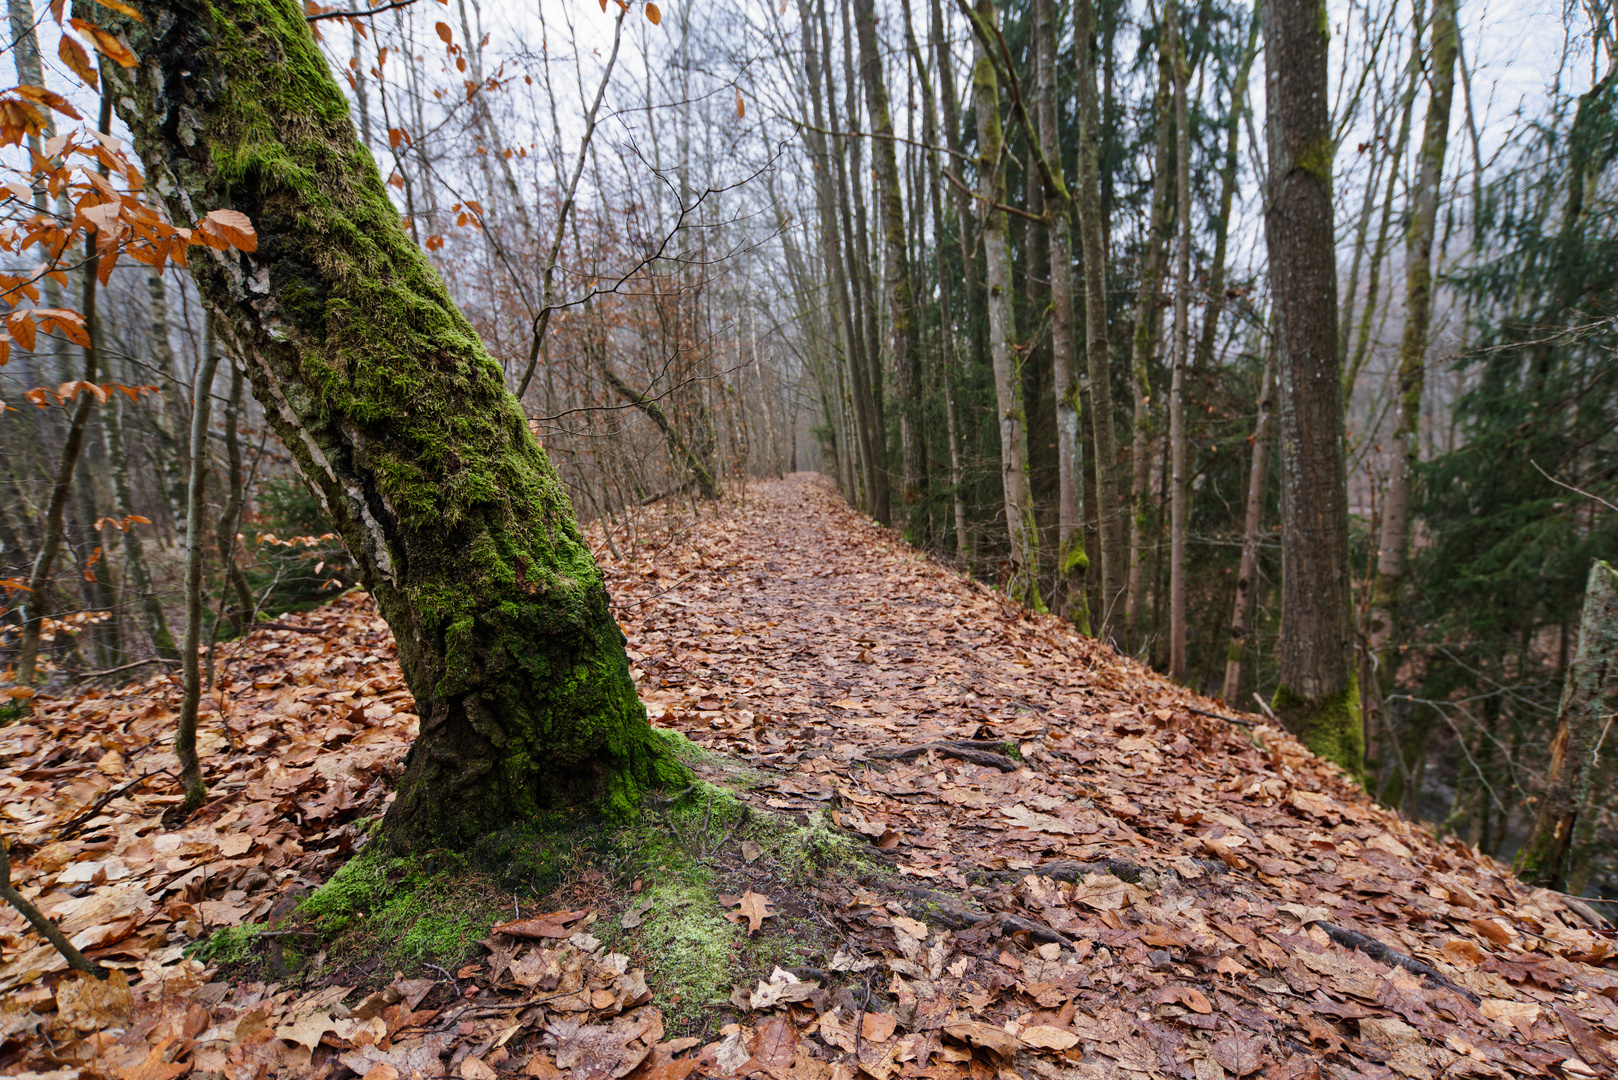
(1079, 872)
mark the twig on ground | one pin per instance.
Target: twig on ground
(47, 929)
(73, 827)
(1220, 716)
(120, 667)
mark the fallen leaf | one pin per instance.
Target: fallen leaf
(751, 906)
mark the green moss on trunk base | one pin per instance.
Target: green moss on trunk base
(1331, 727)
(400, 421)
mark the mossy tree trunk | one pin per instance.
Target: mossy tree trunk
(400, 422)
(1318, 695)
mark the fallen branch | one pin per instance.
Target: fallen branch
(47, 929)
(73, 827)
(121, 667)
(1220, 716)
(975, 751)
(1353, 939)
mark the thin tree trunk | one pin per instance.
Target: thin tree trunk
(1583, 720)
(1022, 532)
(946, 294)
(84, 407)
(185, 731)
(1071, 558)
(1228, 176)
(1093, 239)
(871, 442)
(1152, 258)
(460, 527)
(1405, 452)
(902, 333)
(230, 513)
(1178, 480)
(1318, 696)
(1252, 525)
(1373, 281)
(157, 627)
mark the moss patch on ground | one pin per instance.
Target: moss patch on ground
(667, 870)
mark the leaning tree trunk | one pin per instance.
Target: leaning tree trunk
(1581, 721)
(1179, 482)
(400, 421)
(1318, 696)
(1252, 522)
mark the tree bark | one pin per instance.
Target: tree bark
(1582, 721)
(1373, 282)
(1405, 452)
(1178, 480)
(1022, 532)
(1071, 559)
(1140, 349)
(185, 730)
(1257, 478)
(1317, 696)
(401, 422)
(1097, 342)
(895, 267)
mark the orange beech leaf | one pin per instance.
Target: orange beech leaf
(69, 323)
(444, 32)
(21, 325)
(106, 43)
(232, 227)
(653, 14)
(78, 61)
(121, 8)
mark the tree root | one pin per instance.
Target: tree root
(976, 751)
(957, 916)
(1353, 939)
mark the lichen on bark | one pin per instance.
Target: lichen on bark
(400, 422)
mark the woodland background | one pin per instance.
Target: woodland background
(665, 223)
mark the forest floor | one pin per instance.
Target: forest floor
(976, 844)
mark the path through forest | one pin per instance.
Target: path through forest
(1081, 871)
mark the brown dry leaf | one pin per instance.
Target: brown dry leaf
(985, 1037)
(1046, 1037)
(540, 926)
(1493, 929)
(751, 906)
(90, 1004)
(777, 1042)
(1239, 1054)
(154, 1067)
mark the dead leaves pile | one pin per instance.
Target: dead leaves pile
(1087, 876)
(812, 645)
(297, 742)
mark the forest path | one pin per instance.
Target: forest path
(1141, 889)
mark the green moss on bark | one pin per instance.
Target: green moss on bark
(401, 422)
(1331, 727)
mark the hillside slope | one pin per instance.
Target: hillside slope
(1072, 868)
